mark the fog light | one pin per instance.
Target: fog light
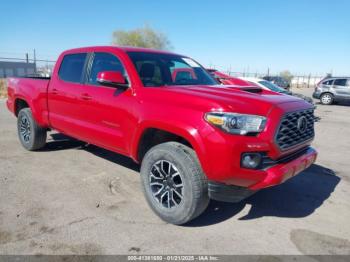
(251, 160)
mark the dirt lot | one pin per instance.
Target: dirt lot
(75, 199)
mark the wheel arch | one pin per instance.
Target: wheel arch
(150, 135)
(327, 92)
(19, 104)
(39, 116)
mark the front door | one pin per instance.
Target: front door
(109, 110)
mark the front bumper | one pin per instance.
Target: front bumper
(282, 172)
(276, 175)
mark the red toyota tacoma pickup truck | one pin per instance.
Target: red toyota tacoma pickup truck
(195, 139)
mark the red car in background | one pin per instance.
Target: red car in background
(179, 74)
(188, 73)
(227, 79)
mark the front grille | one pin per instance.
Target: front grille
(291, 131)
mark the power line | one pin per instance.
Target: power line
(24, 59)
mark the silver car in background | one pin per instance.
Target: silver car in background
(333, 89)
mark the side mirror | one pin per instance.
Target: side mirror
(112, 78)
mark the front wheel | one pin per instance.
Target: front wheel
(327, 99)
(173, 183)
(31, 135)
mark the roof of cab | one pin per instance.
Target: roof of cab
(120, 48)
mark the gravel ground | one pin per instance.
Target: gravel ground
(72, 198)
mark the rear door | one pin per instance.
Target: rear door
(66, 104)
(341, 88)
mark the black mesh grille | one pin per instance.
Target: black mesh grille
(289, 134)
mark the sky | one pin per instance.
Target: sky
(241, 36)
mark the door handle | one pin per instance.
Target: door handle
(54, 91)
(86, 97)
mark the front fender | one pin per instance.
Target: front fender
(186, 131)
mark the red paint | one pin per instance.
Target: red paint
(117, 120)
(111, 77)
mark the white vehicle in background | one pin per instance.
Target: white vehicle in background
(272, 87)
(264, 84)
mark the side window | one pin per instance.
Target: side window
(328, 82)
(104, 62)
(340, 82)
(72, 67)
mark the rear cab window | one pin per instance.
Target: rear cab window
(72, 67)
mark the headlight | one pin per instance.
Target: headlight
(234, 123)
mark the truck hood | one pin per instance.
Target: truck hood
(250, 100)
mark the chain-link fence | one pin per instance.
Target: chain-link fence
(15, 66)
(308, 81)
(19, 67)
(297, 81)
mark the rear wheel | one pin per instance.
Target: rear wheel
(173, 183)
(31, 135)
(327, 99)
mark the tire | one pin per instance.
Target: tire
(30, 134)
(327, 99)
(190, 200)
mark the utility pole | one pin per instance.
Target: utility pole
(27, 58)
(34, 61)
(268, 71)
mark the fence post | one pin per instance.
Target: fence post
(34, 57)
(297, 81)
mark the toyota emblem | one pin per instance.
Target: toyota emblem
(302, 124)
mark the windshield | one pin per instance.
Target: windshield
(155, 69)
(272, 86)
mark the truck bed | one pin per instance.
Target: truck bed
(34, 88)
